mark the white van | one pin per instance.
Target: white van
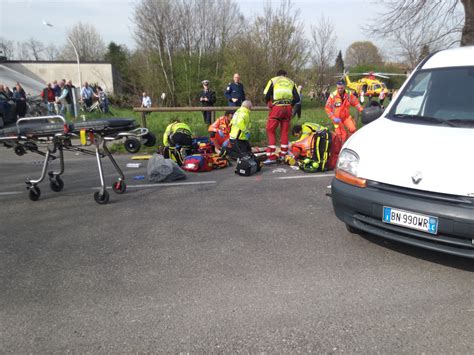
(409, 175)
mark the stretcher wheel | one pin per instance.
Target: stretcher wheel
(20, 150)
(56, 184)
(150, 139)
(34, 193)
(132, 145)
(101, 198)
(119, 187)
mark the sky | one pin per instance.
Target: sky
(22, 19)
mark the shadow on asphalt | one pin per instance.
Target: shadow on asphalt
(452, 261)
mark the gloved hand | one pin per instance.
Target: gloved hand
(247, 135)
(221, 134)
(336, 120)
(225, 144)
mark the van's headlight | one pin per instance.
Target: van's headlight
(347, 167)
(348, 161)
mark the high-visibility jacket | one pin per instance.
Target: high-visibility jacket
(173, 128)
(281, 91)
(308, 128)
(339, 105)
(240, 124)
(221, 124)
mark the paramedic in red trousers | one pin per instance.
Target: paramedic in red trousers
(338, 109)
(281, 95)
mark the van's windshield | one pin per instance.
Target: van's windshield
(435, 96)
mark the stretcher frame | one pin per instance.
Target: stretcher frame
(54, 139)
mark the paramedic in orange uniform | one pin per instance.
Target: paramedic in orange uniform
(219, 131)
(338, 109)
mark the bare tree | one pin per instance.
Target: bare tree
(323, 49)
(438, 24)
(35, 48)
(7, 47)
(181, 34)
(88, 42)
(411, 25)
(51, 52)
(362, 53)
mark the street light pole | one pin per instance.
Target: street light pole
(78, 66)
(78, 63)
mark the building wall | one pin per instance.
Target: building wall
(94, 73)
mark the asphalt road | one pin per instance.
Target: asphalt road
(219, 263)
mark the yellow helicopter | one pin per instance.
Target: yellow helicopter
(369, 85)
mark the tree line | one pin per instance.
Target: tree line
(179, 43)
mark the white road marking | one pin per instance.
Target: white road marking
(10, 193)
(304, 176)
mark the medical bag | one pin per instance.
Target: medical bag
(248, 165)
(321, 143)
(198, 163)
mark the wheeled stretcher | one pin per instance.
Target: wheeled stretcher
(50, 136)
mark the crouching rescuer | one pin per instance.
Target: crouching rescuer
(219, 131)
(338, 109)
(240, 132)
(281, 95)
(177, 141)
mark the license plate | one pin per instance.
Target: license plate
(411, 220)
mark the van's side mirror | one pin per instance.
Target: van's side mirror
(371, 113)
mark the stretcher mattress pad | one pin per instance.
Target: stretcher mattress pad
(45, 129)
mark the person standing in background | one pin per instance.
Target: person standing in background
(207, 97)
(235, 93)
(297, 107)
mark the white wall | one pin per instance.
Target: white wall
(94, 73)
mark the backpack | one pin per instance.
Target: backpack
(219, 162)
(321, 143)
(248, 165)
(198, 163)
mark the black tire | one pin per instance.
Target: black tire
(56, 184)
(353, 230)
(34, 193)
(20, 150)
(101, 199)
(132, 145)
(150, 139)
(119, 187)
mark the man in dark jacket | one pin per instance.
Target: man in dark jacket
(207, 97)
(235, 93)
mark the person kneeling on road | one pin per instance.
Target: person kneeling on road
(240, 132)
(314, 144)
(219, 131)
(177, 141)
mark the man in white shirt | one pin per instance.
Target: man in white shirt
(146, 100)
(86, 94)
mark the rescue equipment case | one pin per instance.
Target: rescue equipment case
(248, 165)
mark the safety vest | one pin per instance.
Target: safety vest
(173, 128)
(240, 124)
(282, 89)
